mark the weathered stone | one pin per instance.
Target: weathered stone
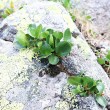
(99, 11)
(20, 74)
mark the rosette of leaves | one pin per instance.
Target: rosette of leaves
(47, 43)
(86, 86)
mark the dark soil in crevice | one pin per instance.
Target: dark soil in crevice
(52, 70)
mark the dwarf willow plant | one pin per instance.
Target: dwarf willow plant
(47, 43)
(87, 86)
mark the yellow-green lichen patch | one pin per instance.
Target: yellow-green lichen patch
(62, 105)
(55, 9)
(3, 103)
(83, 46)
(22, 20)
(37, 17)
(67, 94)
(13, 69)
(12, 66)
(13, 106)
(69, 21)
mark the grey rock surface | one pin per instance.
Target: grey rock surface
(21, 87)
(99, 10)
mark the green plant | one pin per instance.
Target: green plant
(47, 43)
(8, 10)
(87, 86)
(105, 61)
(66, 3)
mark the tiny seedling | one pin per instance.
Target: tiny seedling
(48, 43)
(86, 86)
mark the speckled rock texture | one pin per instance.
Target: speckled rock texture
(99, 10)
(21, 85)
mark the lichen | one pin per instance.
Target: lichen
(68, 99)
(14, 106)
(69, 21)
(83, 46)
(62, 105)
(54, 9)
(13, 70)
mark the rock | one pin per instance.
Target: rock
(20, 73)
(39, 14)
(7, 48)
(99, 11)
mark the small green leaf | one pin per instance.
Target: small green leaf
(108, 56)
(58, 35)
(67, 35)
(50, 31)
(73, 18)
(4, 15)
(87, 82)
(9, 11)
(66, 3)
(75, 80)
(35, 49)
(63, 48)
(35, 31)
(77, 90)
(44, 35)
(51, 41)
(93, 90)
(39, 44)
(53, 59)
(22, 39)
(101, 61)
(101, 100)
(32, 30)
(45, 50)
(100, 87)
(83, 94)
(88, 17)
(47, 39)
(38, 31)
(56, 42)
